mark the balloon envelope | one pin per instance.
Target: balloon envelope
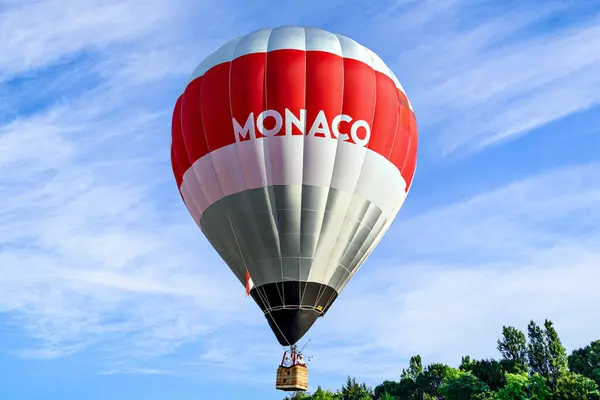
(293, 149)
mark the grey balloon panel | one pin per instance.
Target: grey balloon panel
(295, 233)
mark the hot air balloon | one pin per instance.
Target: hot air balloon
(293, 150)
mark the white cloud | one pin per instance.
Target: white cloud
(478, 74)
(41, 32)
(88, 257)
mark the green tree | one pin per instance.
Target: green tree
(524, 387)
(407, 387)
(586, 361)
(485, 396)
(355, 391)
(466, 364)
(571, 386)
(538, 388)
(488, 371)
(298, 396)
(515, 389)
(461, 385)
(557, 355)
(321, 394)
(390, 388)
(415, 367)
(534, 369)
(513, 367)
(537, 351)
(432, 378)
(513, 345)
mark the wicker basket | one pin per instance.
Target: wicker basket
(294, 378)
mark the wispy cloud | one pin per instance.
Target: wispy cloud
(89, 258)
(37, 33)
(479, 73)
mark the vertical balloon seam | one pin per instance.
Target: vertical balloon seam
(209, 154)
(239, 163)
(407, 155)
(237, 148)
(272, 200)
(352, 271)
(399, 204)
(353, 193)
(302, 186)
(389, 156)
(211, 150)
(260, 292)
(174, 167)
(330, 263)
(361, 175)
(301, 194)
(403, 110)
(245, 192)
(353, 266)
(323, 277)
(200, 78)
(409, 110)
(177, 137)
(174, 132)
(414, 131)
(185, 95)
(302, 178)
(415, 137)
(191, 162)
(190, 203)
(203, 137)
(267, 190)
(176, 174)
(269, 197)
(394, 212)
(329, 191)
(373, 242)
(300, 205)
(335, 165)
(307, 139)
(328, 266)
(359, 259)
(272, 182)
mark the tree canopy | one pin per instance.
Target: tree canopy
(532, 366)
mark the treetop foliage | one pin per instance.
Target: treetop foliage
(532, 366)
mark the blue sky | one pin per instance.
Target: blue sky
(109, 291)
